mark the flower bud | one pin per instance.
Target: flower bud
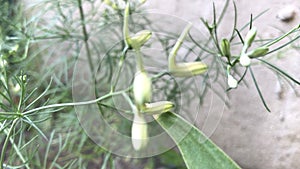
(231, 81)
(188, 69)
(139, 132)
(261, 51)
(142, 88)
(250, 37)
(139, 39)
(225, 47)
(157, 107)
(245, 60)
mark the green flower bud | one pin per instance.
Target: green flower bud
(139, 39)
(245, 60)
(250, 37)
(188, 69)
(139, 132)
(225, 47)
(157, 107)
(231, 81)
(142, 89)
(261, 51)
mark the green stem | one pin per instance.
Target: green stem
(139, 61)
(173, 53)
(120, 66)
(283, 36)
(6, 142)
(17, 150)
(85, 37)
(76, 103)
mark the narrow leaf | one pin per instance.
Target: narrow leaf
(197, 150)
(258, 90)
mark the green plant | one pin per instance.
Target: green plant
(37, 108)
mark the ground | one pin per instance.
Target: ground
(253, 137)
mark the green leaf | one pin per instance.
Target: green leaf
(197, 150)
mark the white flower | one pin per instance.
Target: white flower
(232, 82)
(245, 60)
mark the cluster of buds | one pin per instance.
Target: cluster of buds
(142, 88)
(245, 56)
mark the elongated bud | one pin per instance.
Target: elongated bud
(188, 69)
(231, 81)
(139, 132)
(139, 39)
(225, 47)
(157, 107)
(125, 24)
(261, 51)
(245, 60)
(142, 89)
(250, 37)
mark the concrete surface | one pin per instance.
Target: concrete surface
(253, 137)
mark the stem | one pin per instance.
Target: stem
(6, 142)
(283, 36)
(17, 150)
(139, 61)
(76, 103)
(173, 53)
(85, 37)
(120, 66)
(125, 24)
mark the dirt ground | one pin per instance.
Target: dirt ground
(253, 137)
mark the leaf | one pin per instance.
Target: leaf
(198, 151)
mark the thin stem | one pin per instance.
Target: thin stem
(173, 53)
(139, 61)
(258, 90)
(120, 66)
(85, 37)
(76, 103)
(6, 142)
(283, 36)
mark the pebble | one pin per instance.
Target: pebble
(287, 13)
